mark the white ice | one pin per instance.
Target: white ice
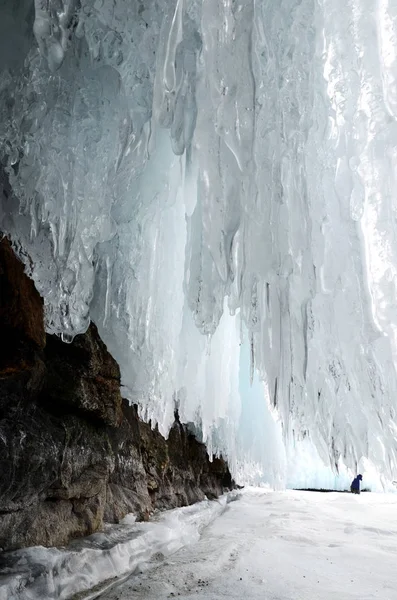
(283, 546)
(214, 184)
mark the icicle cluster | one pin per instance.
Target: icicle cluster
(214, 183)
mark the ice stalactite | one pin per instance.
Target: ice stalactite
(195, 175)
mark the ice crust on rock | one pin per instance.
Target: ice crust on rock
(198, 174)
(96, 561)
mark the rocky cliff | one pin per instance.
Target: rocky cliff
(73, 452)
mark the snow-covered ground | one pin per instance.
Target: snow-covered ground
(266, 545)
(283, 546)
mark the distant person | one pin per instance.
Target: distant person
(355, 486)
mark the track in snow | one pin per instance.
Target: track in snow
(283, 546)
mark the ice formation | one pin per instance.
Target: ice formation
(95, 562)
(213, 182)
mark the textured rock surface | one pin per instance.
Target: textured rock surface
(73, 453)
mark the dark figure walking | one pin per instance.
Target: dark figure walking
(355, 486)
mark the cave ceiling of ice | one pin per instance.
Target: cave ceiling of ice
(213, 182)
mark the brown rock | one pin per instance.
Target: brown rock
(73, 454)
(21, 307)
(83, 377)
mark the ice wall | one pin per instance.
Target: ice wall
(196, 174)
(307, 471)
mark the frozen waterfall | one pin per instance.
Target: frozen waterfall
(213, 182)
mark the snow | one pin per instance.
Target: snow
(283, 546)
(39, 573)
(263, 545)
(214, 184)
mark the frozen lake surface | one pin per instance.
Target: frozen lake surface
(282, 546)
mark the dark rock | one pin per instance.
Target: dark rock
(21, 307)
(73, 453)
(83, 378)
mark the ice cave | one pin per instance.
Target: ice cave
(213, 185)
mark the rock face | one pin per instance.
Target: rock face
(73, 453)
